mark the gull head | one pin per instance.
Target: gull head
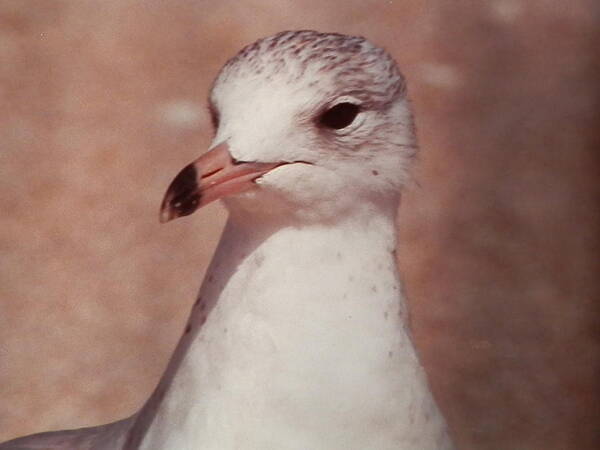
(307, 125)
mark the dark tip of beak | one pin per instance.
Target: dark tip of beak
(182, 197)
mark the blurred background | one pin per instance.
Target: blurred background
(102, 102)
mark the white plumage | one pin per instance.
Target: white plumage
(299, 336)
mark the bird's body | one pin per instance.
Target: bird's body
(298, 339)
(306, 347)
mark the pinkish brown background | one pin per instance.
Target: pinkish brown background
(102, 102)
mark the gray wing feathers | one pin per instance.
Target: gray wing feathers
(105, 437)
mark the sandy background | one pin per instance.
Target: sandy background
(102, 102)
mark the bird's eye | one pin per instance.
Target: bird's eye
(339, 116)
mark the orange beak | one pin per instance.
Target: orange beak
(212, 176)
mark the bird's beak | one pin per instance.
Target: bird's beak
(212, 176)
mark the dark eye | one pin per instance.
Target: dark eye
(339, 116)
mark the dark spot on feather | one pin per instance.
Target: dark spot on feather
(188, 328)
(375, 172)
(214, 116)
(259, 259)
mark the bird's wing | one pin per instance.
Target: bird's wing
(106, 437)
(64, 440)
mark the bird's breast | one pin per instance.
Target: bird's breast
(304, 343)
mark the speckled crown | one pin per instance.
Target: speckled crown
(367, 72)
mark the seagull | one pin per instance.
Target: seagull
(299, 336)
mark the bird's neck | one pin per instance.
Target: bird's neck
(290, 319)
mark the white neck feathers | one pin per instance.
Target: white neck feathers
(298, 336)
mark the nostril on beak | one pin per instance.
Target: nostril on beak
(208, 174)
